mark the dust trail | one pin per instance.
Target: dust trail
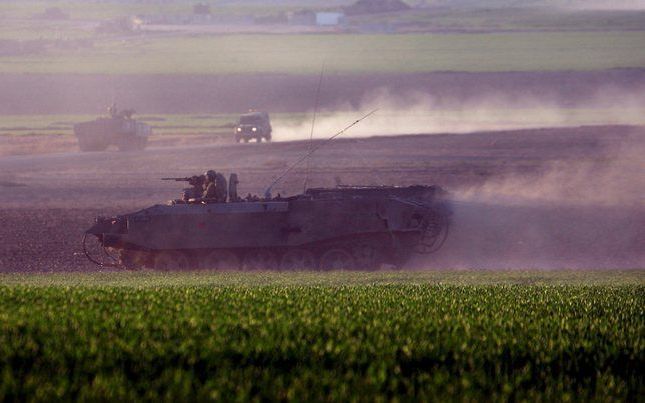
(498, 236)
(587, 215)
(418, 112)
(616, 178)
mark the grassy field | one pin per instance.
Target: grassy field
(512, 18)
(339, 336)
(18, 15)
(80, 10)
(304, 54)
(16, 125)
(19, 125)
(162, 124)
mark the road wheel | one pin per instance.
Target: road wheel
(90, 145)
(124, 145)
(171, 261)
(337, 259)
(220, 260)
(132, 259)
(141, 143)
(298, 259)
(366, 256)
(132, 143)
(433, 237)
(259, 260)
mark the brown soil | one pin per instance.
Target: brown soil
(48, 200)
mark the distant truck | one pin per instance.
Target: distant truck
(253, 125)
(119, 129)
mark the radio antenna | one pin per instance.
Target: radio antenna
(312, 150)
(313, 122)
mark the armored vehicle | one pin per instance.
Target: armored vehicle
(351, 227)
(253, 125)
(118, 129)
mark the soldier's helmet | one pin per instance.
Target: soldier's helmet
(210, 175)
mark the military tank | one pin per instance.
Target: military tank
(119, 129)
(347, 227)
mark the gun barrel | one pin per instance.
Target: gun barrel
(176, 179)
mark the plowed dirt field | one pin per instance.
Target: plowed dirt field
(540, 198)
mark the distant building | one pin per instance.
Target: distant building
(326, 18)
(376, 6)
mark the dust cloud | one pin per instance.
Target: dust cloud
(418, 112)
(616, 178)
(572, 215)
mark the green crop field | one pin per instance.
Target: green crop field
(552, 336)
(341, 53)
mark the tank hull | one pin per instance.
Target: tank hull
(387, 223)
(126, 134)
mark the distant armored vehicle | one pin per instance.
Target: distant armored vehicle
(118, 129)
(253, 125)
(354, 227)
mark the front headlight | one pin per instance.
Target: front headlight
(255, 129)
(239, 129)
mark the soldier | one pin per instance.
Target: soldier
(127, 113)
(210, 187)
(196, 190)
(113, 110)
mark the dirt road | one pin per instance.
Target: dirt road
(48, 200)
